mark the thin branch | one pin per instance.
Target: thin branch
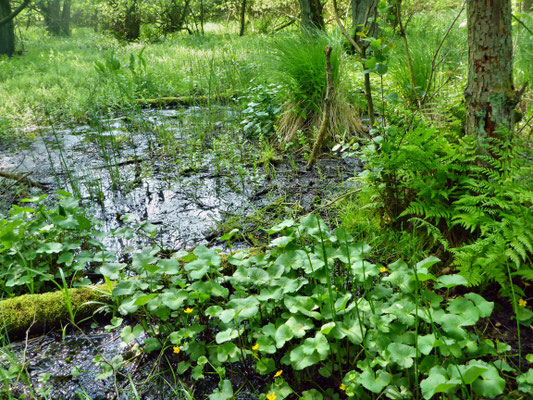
(284, 25)
(335, 200)
(434, 64)
(23, 178)
(521, 23)
(343, 29)
(361, 51)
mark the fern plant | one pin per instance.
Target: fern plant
(479, 207)
(497, 206)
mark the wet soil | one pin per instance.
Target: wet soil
(184, 170)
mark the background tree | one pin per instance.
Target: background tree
(7, 27)
(172, 15)
(65, 17)
(489, 95)
(311, 14)
(123, 17)
(56, 17)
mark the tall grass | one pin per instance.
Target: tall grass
(298, 62)
(57, 76)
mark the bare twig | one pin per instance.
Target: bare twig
(522, 23)
(343, 29)
(322, 132)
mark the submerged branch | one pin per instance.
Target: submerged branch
(23, 179)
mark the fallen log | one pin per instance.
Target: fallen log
(38, 313)
(187, 100)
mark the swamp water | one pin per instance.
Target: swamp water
(186, 171)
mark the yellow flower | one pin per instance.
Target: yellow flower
(383, 269)
(522, 303)
(342, 387)
(255, 346)
(176, 349)
(278, 374)
(188, 310)
(271, 396)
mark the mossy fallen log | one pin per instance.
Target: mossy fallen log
(187, 100)
(36, 313)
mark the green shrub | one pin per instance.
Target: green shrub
(261, 111)
(424, 37)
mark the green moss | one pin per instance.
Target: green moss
(38, 312)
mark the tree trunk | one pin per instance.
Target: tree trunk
(311, 14)
(7, 30)
(243, 17)
(65, 18)
(52, 16)
(202, 16)
(489, 95)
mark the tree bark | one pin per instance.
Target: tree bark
(311, 14)
(490, 97)
(364, 15)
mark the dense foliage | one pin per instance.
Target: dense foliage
(399, 294)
